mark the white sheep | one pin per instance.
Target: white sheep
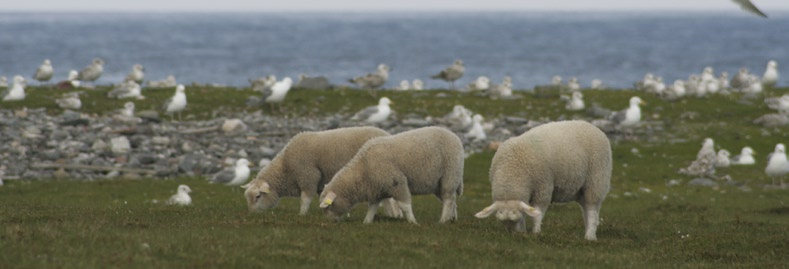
(555, 162)
(427, 160)
(305, 165)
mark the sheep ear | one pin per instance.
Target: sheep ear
(531, 211)
(487, 211)
(245, 186)
(329, 199)
(265, 188)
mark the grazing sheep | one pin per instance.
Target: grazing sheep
(555, 162)
(422, 161)
(305, 165)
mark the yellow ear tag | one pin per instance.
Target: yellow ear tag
(328, 201)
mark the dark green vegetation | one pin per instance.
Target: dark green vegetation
(50, 224)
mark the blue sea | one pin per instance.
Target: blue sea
(229, 48)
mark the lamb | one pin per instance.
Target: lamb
(305, 165)
(555, 162)
(427, 160)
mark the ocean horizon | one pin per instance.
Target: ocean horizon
(228, 48)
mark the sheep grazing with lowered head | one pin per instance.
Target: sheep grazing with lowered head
(555, 162)
(427, 160)
(305, 165)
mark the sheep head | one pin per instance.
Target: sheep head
(260, 196)
(334, 206)
(511, 210)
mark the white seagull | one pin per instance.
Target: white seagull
(165, 83)
(276, 94)
(778, 103)
(69, 101)
(460, 117)
(770, 77)
(181, 197)
(745, 157)
(127, 89)
(92, 72)
(44, 72)
(70, 82)
(477, 132)
(630, 116)
(722, 159)
(576, 102)
(418, 85)
(177, 102)
(235, 176)
(17, 90)
(375, 114)
(777, 165)
(137, 74)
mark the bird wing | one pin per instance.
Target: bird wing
(747, 5)
(441, 75)
(618, 117)
(167, 103)
(118, 91)
(224, 176)
(365, 113)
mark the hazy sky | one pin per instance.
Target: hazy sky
(375, 5)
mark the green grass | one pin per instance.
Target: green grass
(70, 224)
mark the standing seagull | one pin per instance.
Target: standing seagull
(92, 72)
(750, 7)
(375, 114)
(372, 81)
(777, 165)
(451, 73)
(477, 132)
(181, 197)
(69, 101)
(137, 74)
(770, 77)
(276, 94)
(17, 90)
(44, 72)
(630, 116)
(234, 176)
(177, 103)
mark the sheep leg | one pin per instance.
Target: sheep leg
(371, 210)
(449, 211)
(409, 214)
(591, 220)
(538, 219)
(391, 209)
(306, 199)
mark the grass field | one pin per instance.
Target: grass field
(104, 224)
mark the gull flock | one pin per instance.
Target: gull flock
(273, 93)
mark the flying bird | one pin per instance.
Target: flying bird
(747, 5)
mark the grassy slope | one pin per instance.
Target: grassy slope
(114, 224)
